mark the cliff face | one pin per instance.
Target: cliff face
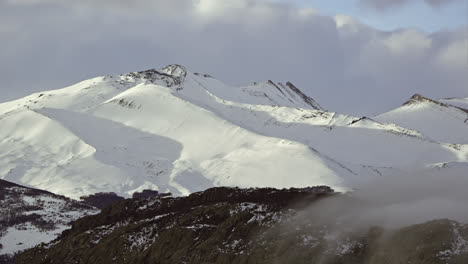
(230, 225)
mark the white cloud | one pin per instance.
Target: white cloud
(408, 41)
(307, 12)
(219, 8)
(344, 20)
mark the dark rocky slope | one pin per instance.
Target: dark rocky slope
(230, 225)
(30, 216)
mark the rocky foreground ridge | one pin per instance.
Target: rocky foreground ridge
(232, 225)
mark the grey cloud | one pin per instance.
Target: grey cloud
(387, 4)
(397, 200)
(350, 68)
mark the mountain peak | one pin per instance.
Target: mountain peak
(171, 75)
(175, 70)
(418, 98)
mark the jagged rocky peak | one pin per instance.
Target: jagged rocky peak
(170, 76)
(175, 70)
(418, 98)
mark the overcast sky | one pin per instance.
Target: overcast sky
(362, 57)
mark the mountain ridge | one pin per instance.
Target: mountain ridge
(232, 225)
(422, 113)
(176, 131)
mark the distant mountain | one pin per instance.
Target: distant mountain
(231, 225)
(459, 102)
(443, 121)
(29, 217)
(172, 130)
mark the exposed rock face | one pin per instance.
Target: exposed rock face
(417, 98)
(169, 76)
(145, 194)
(303, 96)
(101, 200)
(175, 70)
(231, 225)
(294, 94)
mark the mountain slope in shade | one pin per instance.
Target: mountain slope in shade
(176, 131)
(30, 216)
(436, 120)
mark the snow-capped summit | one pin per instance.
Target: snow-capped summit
(175, 70)
(437, 120)
(264, 93)
(177, 131)
(417, 98)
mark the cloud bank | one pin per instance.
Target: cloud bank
(387, 4)
(399, 200)
(345, 65)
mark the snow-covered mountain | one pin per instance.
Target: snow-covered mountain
(177, 131)
(29, 216)
(443, 121)
(459, 102)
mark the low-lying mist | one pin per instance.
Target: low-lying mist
(398, 200)
(386, 220)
